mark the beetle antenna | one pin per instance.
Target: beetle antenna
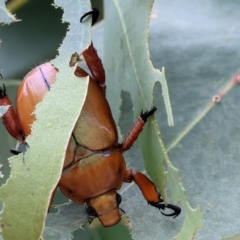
(94, 13)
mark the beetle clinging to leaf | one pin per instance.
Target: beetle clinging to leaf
(94, 166)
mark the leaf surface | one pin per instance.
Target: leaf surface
(199, 49)
(60, 225)
(5, 16)
(27, 192)
(3, 110)
(130, 69)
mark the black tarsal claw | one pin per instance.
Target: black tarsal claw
(20, 148)
(14, 151)
(94, 13)
(3, 91)
(175, 208)
(144, 115)
(176, 211)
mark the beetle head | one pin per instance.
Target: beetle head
(105, 207)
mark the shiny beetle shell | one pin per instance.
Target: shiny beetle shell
(93, 166)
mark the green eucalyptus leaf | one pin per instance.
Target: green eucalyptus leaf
(35, 174)
(198, 44)
(5, 16)
(236, 237)
(3, 110)
(129, 69)
(69, 217)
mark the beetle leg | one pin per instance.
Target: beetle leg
(95, 66)
(91, 57)
(150, 192)
(136, 130)
(10, 119)
(128, 176)
(94, 13)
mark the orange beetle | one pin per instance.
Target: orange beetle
(94, 166)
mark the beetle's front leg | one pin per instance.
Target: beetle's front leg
(150, 192)
(10, 119)
(91, 57)
(95, 66)
(136, 130)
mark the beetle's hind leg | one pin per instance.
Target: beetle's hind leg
(150, 192)
(137, 128)
(10, 119)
